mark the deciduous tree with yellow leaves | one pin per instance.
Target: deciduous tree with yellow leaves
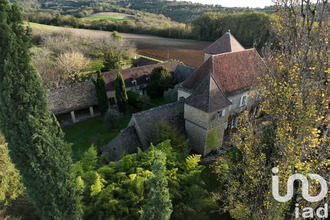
(294, 133)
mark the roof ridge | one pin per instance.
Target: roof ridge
(231, 49)
(141, 67)
(216, 83)
(246, 50)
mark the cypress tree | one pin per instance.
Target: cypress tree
(101, 93)
(121, 94)
(159, 206)
(34, 138)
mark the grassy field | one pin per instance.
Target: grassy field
(109, 16)
(189, 52)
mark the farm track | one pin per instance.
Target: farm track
(187, 51)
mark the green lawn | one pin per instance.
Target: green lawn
(92, 131)
(157, 102)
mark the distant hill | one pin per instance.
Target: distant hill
(183, 12)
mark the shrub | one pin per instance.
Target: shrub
(133, 99)
(140, 102)
(171, 95)
(111, 118)
(160, 80)
(163, 131)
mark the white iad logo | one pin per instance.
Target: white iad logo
(305, 195)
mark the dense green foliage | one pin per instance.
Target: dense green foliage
(160, 81)
(34, 138)
(250, 29)
(118, 190)
(121, 95)
(101, 93)
(10, 180)
(158, 204)
(162, 131)
(139, 102)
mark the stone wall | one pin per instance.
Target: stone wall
(197, 116)
(196, 136)
(235, 99)
(199, 124)
(71, 98)
(214, 121)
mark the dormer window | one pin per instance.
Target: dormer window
(243, 100)
(134, 82)
(147, 78)
(221, 113)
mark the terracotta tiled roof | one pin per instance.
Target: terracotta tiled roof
(226, 43)
(208, 96)
(140, 74)
(232, 71)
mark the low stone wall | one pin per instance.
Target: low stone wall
(71, 98)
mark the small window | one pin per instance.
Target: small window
(134, 82)
(226, 125)
(234, 122)
(221, 113)
(258, 95)
(243, 100)
(147, 79)
(112, 101)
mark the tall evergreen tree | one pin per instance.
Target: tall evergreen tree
(34, 138)
(10, 184)
(121, 94)
(101, 93)
(159, 206)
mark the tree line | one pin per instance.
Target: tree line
(251, 29)
(179, 11)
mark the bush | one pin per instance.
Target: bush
(171, 95)
(112, 117)
(160, 81)
(140, 102)
(133, 99)
(163, 131)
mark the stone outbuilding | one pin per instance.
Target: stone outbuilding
(73, 103)
(136, 79)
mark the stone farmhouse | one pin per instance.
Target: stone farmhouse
(136, 79)
(78, 102)
(212, 98)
